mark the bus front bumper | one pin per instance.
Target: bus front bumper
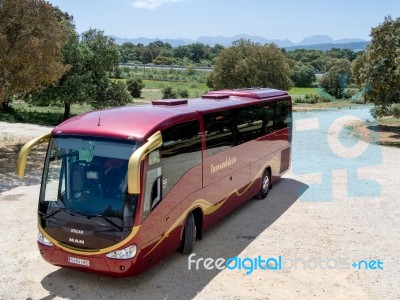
(98, 264)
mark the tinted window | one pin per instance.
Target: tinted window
(234, 127)
(220, 130)
(253, 122)
(283, 116)
(152, 193)
(180, 152)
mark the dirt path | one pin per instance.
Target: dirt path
(12, 138)
(344, 230)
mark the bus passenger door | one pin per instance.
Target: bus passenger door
(152, 227)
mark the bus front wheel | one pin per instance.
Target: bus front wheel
(189, 235)
(265, 185)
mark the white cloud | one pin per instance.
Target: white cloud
(152, 4)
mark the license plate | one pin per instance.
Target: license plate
(78, 261)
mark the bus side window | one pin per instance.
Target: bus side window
(181, 151)
(267, 116)
(156, 193)
(282, 114)
(250, 123)
(152, 192)
(220, 131)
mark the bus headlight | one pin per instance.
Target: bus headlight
(41, 239)
(126, 253)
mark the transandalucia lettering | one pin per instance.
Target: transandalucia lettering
(229, 161)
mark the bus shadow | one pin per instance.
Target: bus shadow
(171, 278)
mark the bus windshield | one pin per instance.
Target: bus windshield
(88, 177)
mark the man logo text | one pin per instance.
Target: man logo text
(77, 241)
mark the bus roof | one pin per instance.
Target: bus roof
(138, 122)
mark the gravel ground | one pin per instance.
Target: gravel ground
(343, 229)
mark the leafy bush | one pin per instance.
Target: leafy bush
(190, 71)
(350, 93)
(324, 96)
(163, 60)
(380, 111)
(394, 110)
(135, 86)
(183, 93)
(169, 93)
(117, 73)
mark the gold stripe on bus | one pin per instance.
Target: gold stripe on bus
(209, 208)
(74, 250)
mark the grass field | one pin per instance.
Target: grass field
(301, 92)
(153, 88)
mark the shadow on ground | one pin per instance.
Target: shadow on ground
(8, 166)
(389, 135)
(171, 279)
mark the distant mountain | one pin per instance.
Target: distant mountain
(355, 46)
(345, 41)
(146, 41)
(321, 42)
(316, 39)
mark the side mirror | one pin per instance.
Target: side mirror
(26, 149)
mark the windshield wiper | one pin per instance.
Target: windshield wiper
(46, 216)
(89, 215)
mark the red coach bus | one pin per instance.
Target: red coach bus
(124, 187)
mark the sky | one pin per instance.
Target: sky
(282, 19)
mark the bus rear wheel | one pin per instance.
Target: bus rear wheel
(265, 185)
(189, 235)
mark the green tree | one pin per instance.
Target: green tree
(377, 71)
(198, 52)
(104, 52)
(247, 64)
(341, 53)
(112, 94)
(357, 69)
(135, 86)
(91, 58)
(128, 53)
(338, 77)
(302, 75)
(31, 39)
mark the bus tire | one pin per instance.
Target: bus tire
(189, 235)
(265, 185)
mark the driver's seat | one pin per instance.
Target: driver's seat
(92, 186)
